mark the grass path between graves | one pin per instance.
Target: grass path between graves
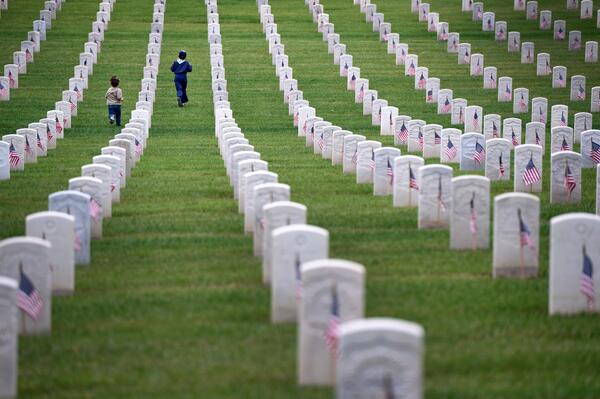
(172, 305)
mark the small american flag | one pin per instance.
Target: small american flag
(473, 216)
(11, 80)
(565, 146)
(95, 210)
(492, 81)
(420, 139)
(576, 43)
(321, 142)
(391, 122)
(467, 57)
(531, 173)
(461, 115)
(454, 44)
(500, 34)
(390, 171)
(436, 138)
(514, 138)
(479, 153)
(422, 82)
(595, 152)
(429, 96)
(522, 103)
(299, 288)
(28, 146)
(73, 105)
(305, 126)
(542, 117)
(524, 234)
(77, 243)
(538, 141)
(528, 56)
(561, 80)
(355, 157)
(444, 35)
(478, 68)
(372, 160)
(403, 133)
(29, 299)
(495, 133)
(411, 69)
(479, 14)
(440, 197)
(581, 93)
(544, 23)
(361, 93)
(587, 281)
(563, 119)
(501, 170)
(507, 93)
(333, 324)
(450, 150)
(489, 23)
(59, 127)
(49, 133)
(39, 142)
(412, 180)
(3, 90)
(353, 82)
(447, 105)
(475, 121)
(569, 181)
(548, 69)
(13, 155)
(28, 55)
(138, 147)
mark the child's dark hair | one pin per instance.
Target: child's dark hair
(114, 81)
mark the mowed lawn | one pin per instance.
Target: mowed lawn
(172, 305)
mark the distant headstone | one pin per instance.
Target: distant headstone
(521, 101)
(543, 66)
(577, 88)
(490, 78)
(451, 146)
(470, 216)
(251, 180)
(505, 89)
(383, 173)
(350, 152)
(406, 180)
(497, 161)
(527, 52)
(435, 198)
(512, 130)
(444, 101)
(492, 126)
(528, 168)
(472, 151)
(278, 214)
(265, 194)
(565, 180)
(590, 148)
(366, 161)
(561, 139)
(535, 133)
(514, 42)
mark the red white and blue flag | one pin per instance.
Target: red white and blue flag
(13, 156)
(403, 133)
(450, 150)
(29, 299)
(586, 286)
(479, 153)
(331, 333)
(447, 105)
(595, 152)
(412, 180)
(501, 169)
(564, 145)
(525, 234)
(569, 181)
(3, 90)
(531, 174)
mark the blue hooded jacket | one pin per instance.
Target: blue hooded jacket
(180, 70)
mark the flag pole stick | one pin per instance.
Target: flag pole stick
(522, 261)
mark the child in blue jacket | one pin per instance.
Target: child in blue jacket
(180, 68)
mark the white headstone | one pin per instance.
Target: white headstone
(497, 159)
(521, 101)
(278, 214)
(58, 229)
(380, 358)
(366, 161)
(435, 198)
(30, 257)
(574, 260)
(528, 171)
(566, 178)
(406, 180)
(470, 217)
(350, 153)
(472, 151)
(251, 180)
(265, 194)
(451, 145)
(328, 286)
(99, 193)
(516, 235)
(291, 246)
(512, 129)
(9, 337)
(383, 173)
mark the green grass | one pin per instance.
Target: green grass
(173, 305)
